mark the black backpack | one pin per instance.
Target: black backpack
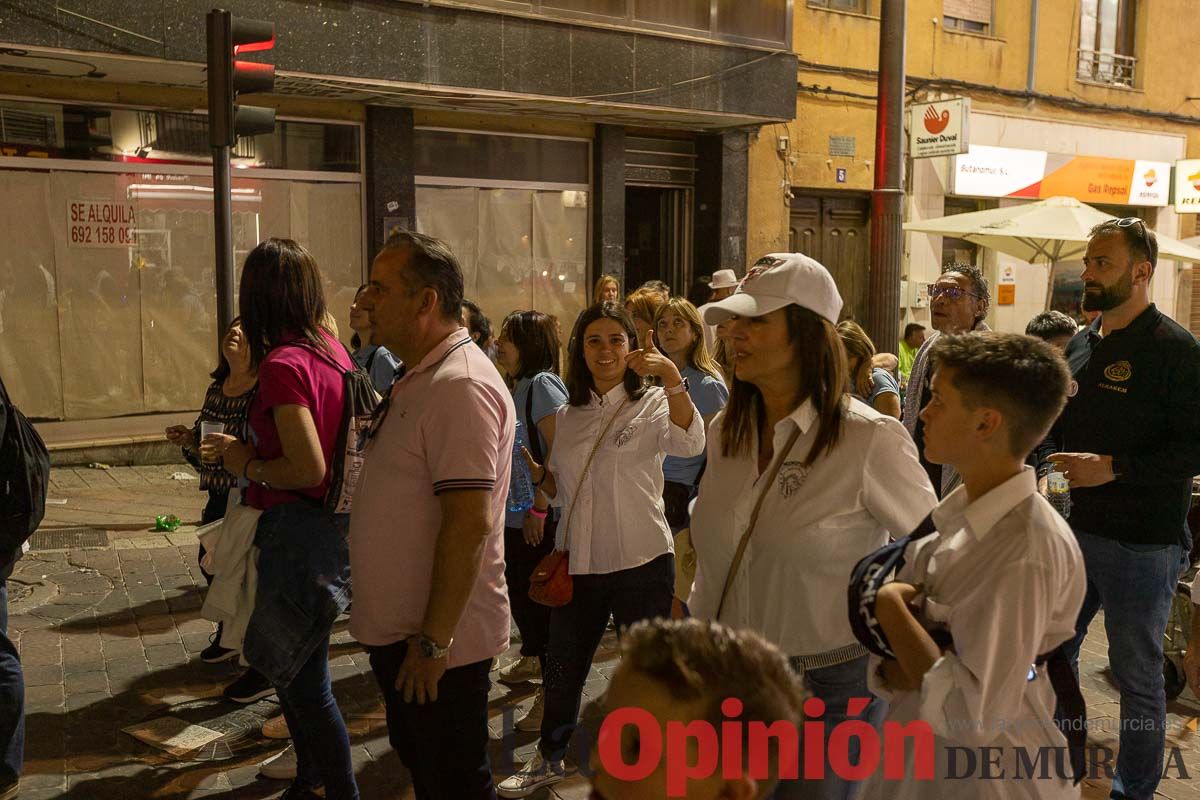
(360, 400)
(25, 477)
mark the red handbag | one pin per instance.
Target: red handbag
(551, 583)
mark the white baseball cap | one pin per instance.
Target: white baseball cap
(723, 279)
(778, 280)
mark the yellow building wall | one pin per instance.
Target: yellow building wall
(845, 43)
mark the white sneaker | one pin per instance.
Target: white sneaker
(523, 670)
(276, 728)
(532, 721)
(281, 766)
(531, 777)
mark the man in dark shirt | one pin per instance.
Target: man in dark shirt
(12, 685)
(1131, 436)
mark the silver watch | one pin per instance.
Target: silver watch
(430, 649)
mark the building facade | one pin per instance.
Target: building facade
(548, 141)
(1102, 105)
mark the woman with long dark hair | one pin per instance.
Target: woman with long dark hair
(801, 482)
(527, 349)
(294, 422)
(605, 471)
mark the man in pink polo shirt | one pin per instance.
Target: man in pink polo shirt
(427, 532)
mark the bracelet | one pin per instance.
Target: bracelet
(537, 512)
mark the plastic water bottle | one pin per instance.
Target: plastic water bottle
(1058, 492)
(520, 487)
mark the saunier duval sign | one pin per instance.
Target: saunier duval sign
(939, 128)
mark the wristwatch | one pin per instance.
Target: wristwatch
(680, 389)
(431, 649)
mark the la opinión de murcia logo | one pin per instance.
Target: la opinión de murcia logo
(935, 123)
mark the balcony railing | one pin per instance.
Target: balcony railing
(1113, 69)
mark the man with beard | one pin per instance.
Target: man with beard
(1131, 432)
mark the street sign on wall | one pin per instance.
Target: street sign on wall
(939, 128)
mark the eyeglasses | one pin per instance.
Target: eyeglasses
(1139, 227)
(949, 292)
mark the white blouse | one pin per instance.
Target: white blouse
(816, 523)
(617, 520)
(1005, 575)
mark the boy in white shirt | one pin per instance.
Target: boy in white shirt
(1002, 576)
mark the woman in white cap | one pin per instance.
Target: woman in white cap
(802, 481)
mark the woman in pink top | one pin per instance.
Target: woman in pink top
(294, 423)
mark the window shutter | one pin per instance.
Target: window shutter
(973, 10)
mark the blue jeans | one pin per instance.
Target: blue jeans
(1134, 584)
(318, 730)
(12, 701)
(836, 686)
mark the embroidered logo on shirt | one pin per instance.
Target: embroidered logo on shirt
(1118, 371)
(622, 438)
(791, 477)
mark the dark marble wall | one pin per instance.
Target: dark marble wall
(441, 46)
(391, 191)
(721, 183)
(608, 202)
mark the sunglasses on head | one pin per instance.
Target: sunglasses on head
(1139, 228)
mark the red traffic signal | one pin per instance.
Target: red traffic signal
(228, 77)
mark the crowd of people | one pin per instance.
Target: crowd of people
(709, 473)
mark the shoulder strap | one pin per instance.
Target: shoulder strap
(535, 444)
(325, 355)
(586, 466)
(762, 495)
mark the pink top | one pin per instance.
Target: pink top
(295, 375)
(450, 426)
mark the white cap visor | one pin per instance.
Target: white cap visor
(743, 304)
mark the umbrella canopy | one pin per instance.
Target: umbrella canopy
(1054, 229)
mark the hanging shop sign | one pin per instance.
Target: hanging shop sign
(1187, 186)
(939, 128)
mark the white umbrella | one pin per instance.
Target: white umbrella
(1054, 229)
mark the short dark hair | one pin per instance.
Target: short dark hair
(535, 335)
(656, 285)
(695, 661)
(478, 324)
(434, 266)
(578, 377)
(223, 371)
(281, 295)
(1051, 325)
(356, 342)
(1140, 241)
(912, 328)
(1024, 378)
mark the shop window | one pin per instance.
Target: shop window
(606, 8)
(972, 16)
(764, 20)
(1106, 42)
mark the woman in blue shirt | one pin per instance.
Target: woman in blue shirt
(528, 351)
(680, 335)
(873, 385)
(377, 360)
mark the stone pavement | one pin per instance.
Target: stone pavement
(107, 621)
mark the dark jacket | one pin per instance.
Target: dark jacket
(1136, 397)
(303, 585)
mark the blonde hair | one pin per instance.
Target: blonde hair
(698, 356)
(858, 347)
(601, 282)
(644, 303)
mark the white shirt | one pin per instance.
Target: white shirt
(1005, 574)
(618, 521)
(815, 524)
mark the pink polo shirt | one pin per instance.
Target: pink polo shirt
(450, 425)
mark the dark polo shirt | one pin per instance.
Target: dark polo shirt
(1136, 397)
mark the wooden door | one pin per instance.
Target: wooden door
(835, 231)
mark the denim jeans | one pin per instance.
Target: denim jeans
(318, 730)
(443, 743)
(520, 560)
(1134, 584)
(629, 596)
(12, 701)
(836, 686)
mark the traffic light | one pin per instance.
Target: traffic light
(228, 37)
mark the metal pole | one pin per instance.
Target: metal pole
(223, 233)
(887, 201)
(1031, 73)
